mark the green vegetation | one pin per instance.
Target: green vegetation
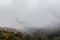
(38, 35)
(8, 36)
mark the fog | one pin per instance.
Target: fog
(23, 14)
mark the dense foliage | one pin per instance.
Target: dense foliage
(12, 34)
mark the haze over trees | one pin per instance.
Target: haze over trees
(33, 13)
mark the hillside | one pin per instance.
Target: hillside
(40, 34)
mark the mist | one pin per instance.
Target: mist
(23, 14)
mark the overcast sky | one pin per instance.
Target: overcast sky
(20, 14)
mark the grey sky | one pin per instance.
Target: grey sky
(32, 13)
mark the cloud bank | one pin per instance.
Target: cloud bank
(20, 14)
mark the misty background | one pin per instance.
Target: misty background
(23, 14)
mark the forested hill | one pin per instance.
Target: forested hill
(36, 34)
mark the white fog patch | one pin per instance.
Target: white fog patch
(5, 2)
(30, 13)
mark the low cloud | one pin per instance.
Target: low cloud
(29, 13)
